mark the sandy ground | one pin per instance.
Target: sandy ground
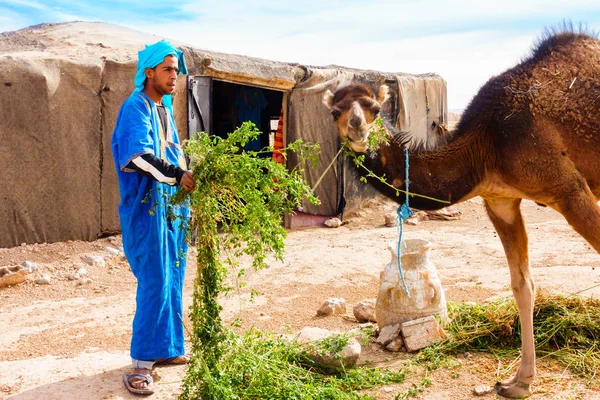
(70, 341)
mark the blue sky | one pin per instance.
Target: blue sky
(466, 42)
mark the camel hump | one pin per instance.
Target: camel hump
(552, 41)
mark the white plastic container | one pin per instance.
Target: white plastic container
(422, 281)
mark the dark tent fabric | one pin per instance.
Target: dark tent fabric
(50, 146)
(311, 121)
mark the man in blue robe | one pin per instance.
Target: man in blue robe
(150, 166)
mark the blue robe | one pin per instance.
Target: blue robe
(154, 244)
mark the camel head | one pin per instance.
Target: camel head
(354, 109)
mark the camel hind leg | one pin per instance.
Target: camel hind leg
(554, 178)
(579, 206)
(505, 214)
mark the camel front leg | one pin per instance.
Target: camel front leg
(580, 208)
(508, 221)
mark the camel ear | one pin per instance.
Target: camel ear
(336, 113)
(328, 99)
(442, 129)
(383, 94)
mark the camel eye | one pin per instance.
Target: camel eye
(375, 110)
(336, 114)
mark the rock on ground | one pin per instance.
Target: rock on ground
(332, 306)
(364, 311)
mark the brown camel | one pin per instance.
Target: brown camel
(532, 132)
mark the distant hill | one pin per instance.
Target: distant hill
(453, 118)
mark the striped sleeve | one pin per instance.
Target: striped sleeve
(150, 165)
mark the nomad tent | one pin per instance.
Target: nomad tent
(61, 86)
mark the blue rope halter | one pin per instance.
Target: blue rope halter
(404, 213)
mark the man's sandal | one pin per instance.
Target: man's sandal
(144, 379)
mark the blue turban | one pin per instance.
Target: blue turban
(152, 56)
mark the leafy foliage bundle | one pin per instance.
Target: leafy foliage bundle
(237, 207)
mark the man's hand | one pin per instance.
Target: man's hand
(187, 181)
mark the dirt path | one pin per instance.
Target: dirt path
(70, 341)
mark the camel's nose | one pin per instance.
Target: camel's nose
(355, 122)
(356, 116)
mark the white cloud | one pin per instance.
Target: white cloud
(64, 16)
(25, 3)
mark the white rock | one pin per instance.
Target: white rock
(420, 333)
(363, 330)
(333, 223)
(346, 358)
(482, 390)
(364, 311)
(396, 344)
(81, 272)
(96, 261)
(390, 218)
(387, 334)
(30, 265)
(311, 334)
(44, 280)
(85, 281)
(417, 218)
(330, 361)
(112, 251)
(332, 306)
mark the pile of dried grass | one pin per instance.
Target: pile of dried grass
(565, 328)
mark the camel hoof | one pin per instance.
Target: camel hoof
(518, 390)
(506, 383)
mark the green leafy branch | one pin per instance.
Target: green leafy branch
(237, 207)
(379, 136)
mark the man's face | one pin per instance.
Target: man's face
(163, 77)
